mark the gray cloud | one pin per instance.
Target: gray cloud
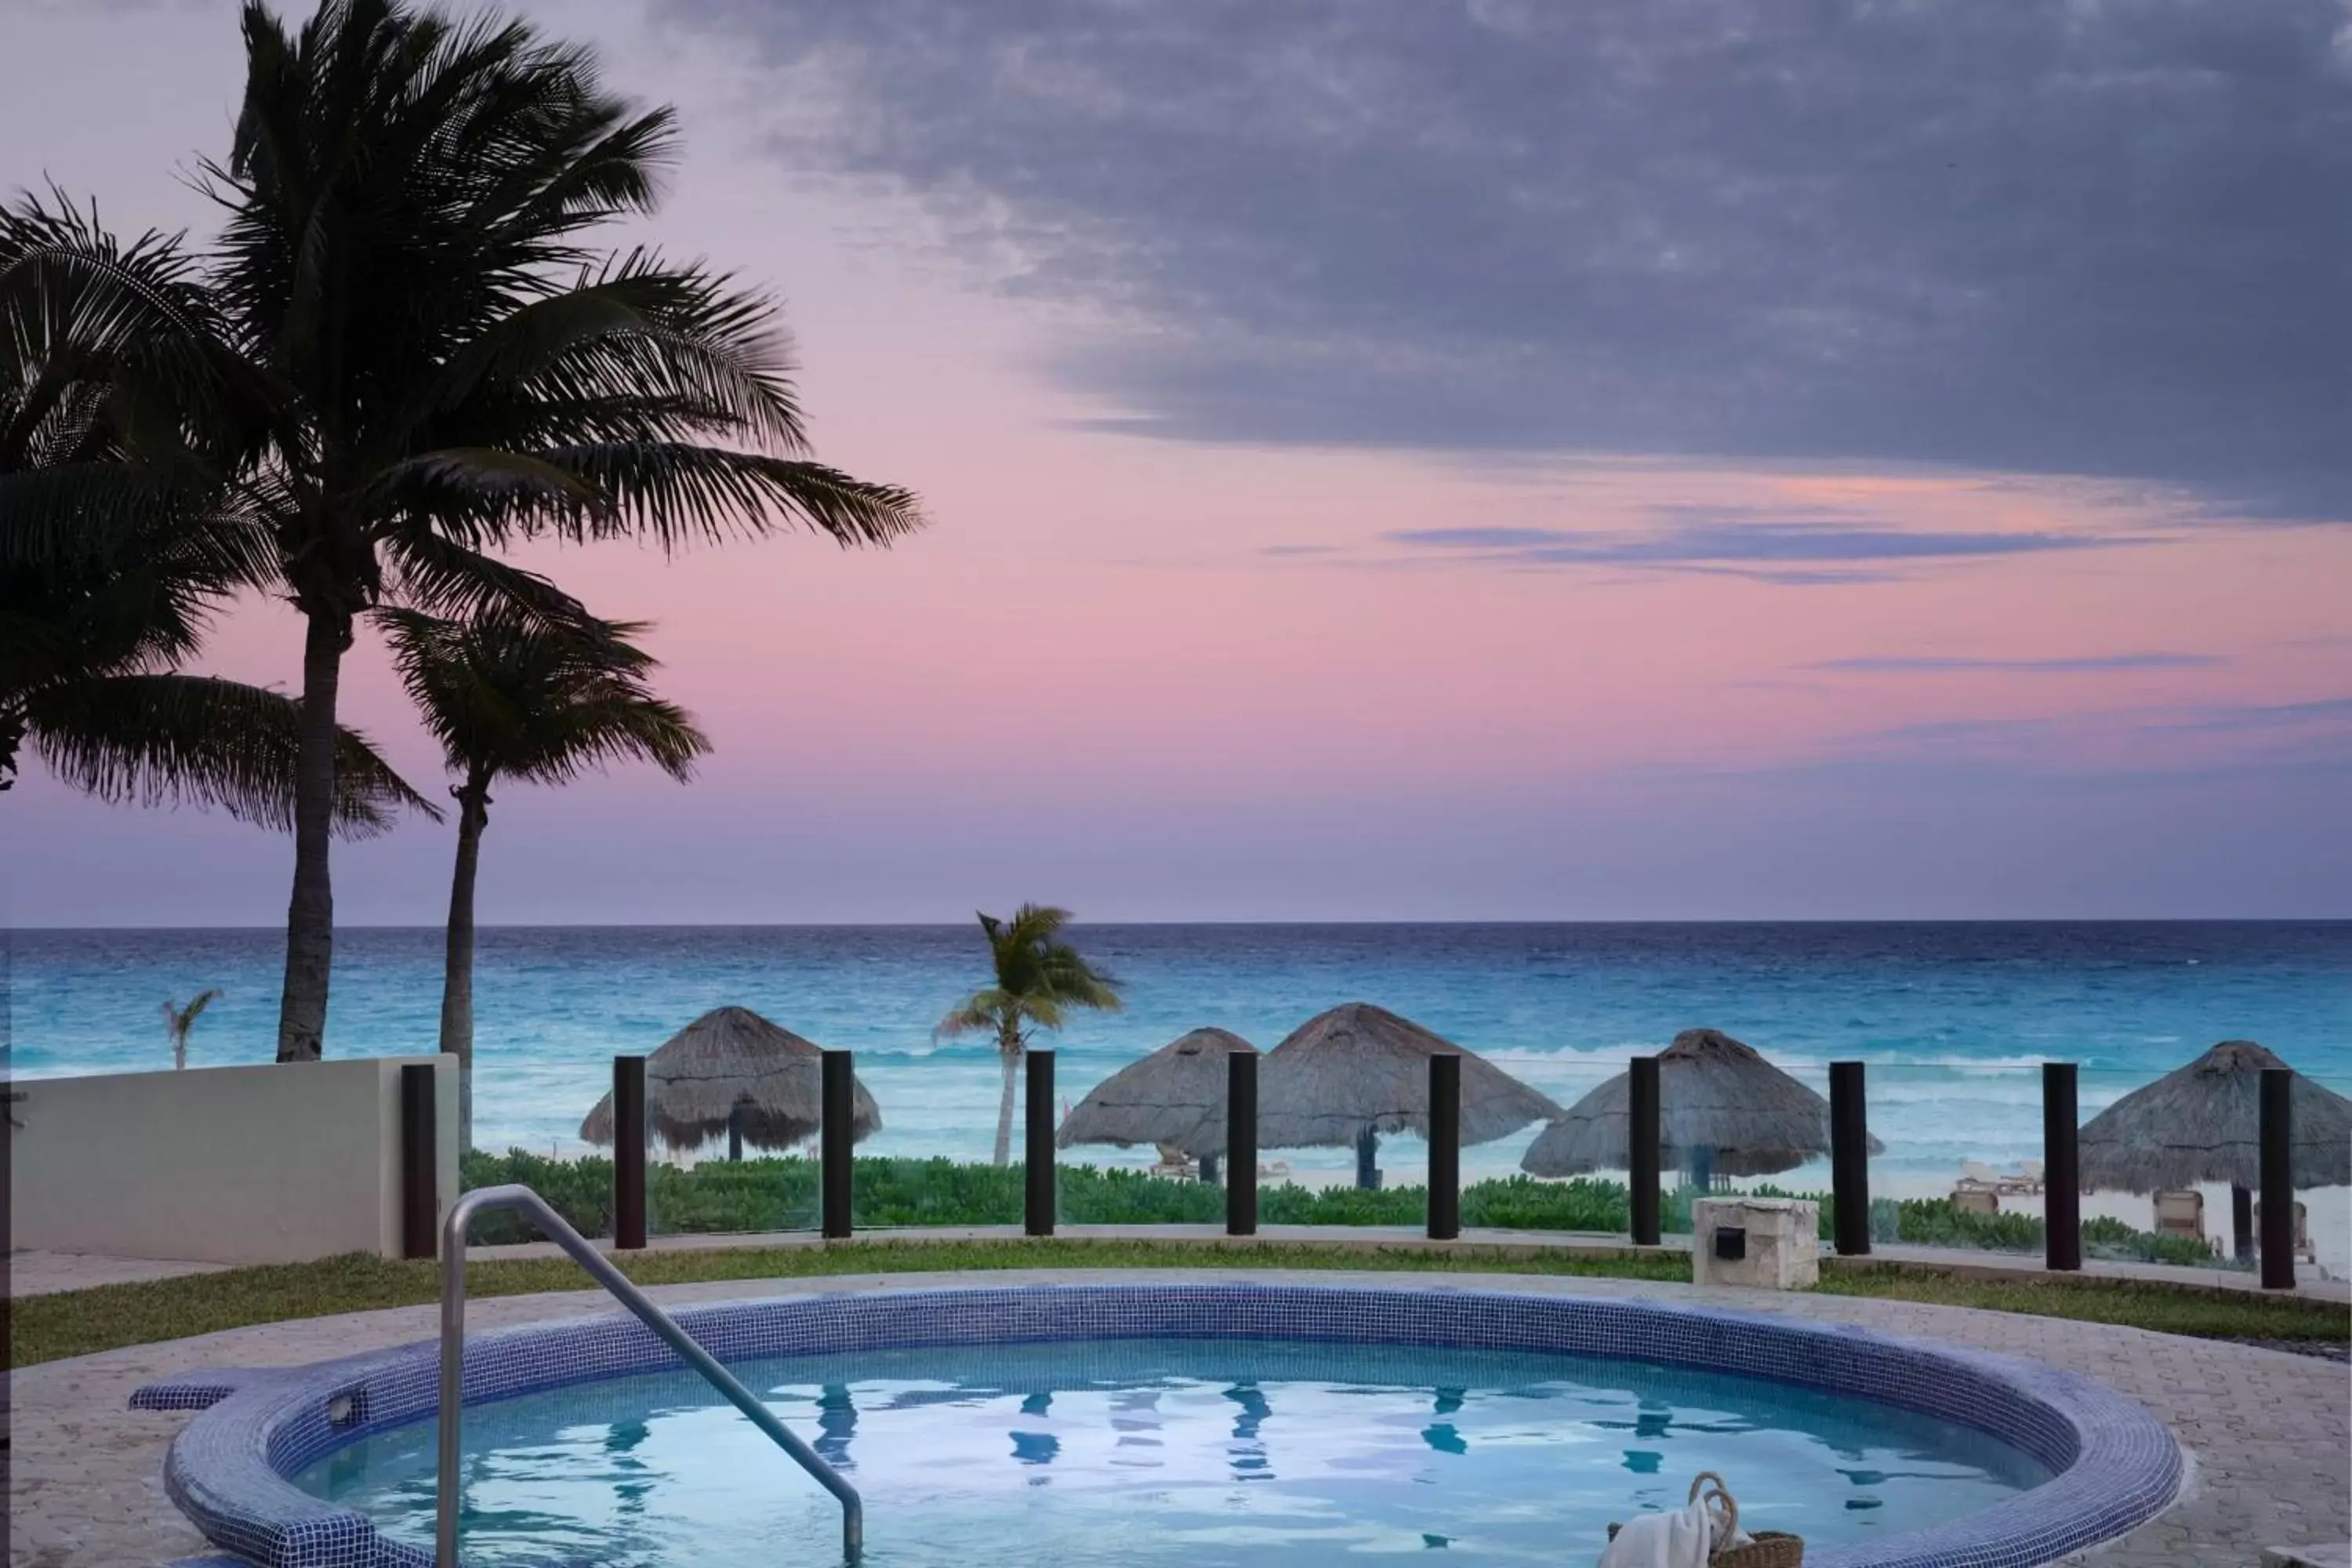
(2040, 237)
(2269, 735)
(2092, 662)
(2328, 713)
(1779, 547)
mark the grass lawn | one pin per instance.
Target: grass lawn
(2166, 1309)
(81, 1322)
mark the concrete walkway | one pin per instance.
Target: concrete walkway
(2268, 1438)
(1507, 1244)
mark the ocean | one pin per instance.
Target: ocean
(1953, 1018)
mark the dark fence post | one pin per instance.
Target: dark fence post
(1037, 1211)
(836, 1143)
(1241, 1143)
(1445, 1147)
(2278, 1179)
(420, 1184)
(1641, 1156)
(628, 1151)
(2061, 1170)
(1850, 1158)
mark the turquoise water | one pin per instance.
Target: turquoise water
(1178, 1452)
(1953, 1016)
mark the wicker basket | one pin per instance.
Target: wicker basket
(1766, 1548)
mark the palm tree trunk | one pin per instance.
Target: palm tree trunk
(457, 976)
(1009, 1048)
(310, 914)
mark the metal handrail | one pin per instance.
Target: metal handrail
(522, 1200)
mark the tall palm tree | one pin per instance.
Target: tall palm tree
(509, 697)
(1038, 975)
(439, 363)
(117, 543)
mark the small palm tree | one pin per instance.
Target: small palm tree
(1038, 975)
(509, 696)
(180, 1021)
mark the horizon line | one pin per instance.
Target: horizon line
(1259, 924)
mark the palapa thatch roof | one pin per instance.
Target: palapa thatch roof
(731, 1057)
(1174, 1098)
(1715, 1093)
(1359, 1067)
(2202, 1122)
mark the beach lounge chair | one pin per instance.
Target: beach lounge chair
(2302, 1248)
(1175, 1165)
(2180, 1213)
(2028, 1178)
(1976, 1200)
(1978, 1177)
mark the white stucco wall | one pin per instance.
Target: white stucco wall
(248, 1164)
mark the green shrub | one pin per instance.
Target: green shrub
(782, 1194)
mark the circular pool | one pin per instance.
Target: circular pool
(1200, 1425)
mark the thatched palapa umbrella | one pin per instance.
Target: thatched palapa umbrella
(731, 1070)
(1345, 1076)
(2202, 1122)
(1721, 1107)
(1174, 1098)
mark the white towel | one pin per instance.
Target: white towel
(1685, 1538)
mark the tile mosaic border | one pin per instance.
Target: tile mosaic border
(2114, 1465)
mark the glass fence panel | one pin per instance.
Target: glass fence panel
(1140, 1138)
(1956, 1159)
(2322, 1200)
(744, 1167)
(949, 1151)
(546, 1149)
(574, 1177)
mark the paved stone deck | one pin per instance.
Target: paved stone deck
(2269, 1433)
(1972, 1262)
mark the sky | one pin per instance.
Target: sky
(1443, 459)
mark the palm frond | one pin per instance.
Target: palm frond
(449, 582)
(984, 1009)
(676, 492)
(163, 740)
(509, 695)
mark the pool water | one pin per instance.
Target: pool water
(1144, 1452)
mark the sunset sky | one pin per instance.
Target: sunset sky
(1409, 459)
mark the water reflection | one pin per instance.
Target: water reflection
(1035, 1448)
(1247, 1458)
(1443, 1435)
(837, 1423)
(633, 1481)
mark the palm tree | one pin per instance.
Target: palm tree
(1037, 977)
(509, 697)
(436, 363)
(116, 545)
(179, 1022)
